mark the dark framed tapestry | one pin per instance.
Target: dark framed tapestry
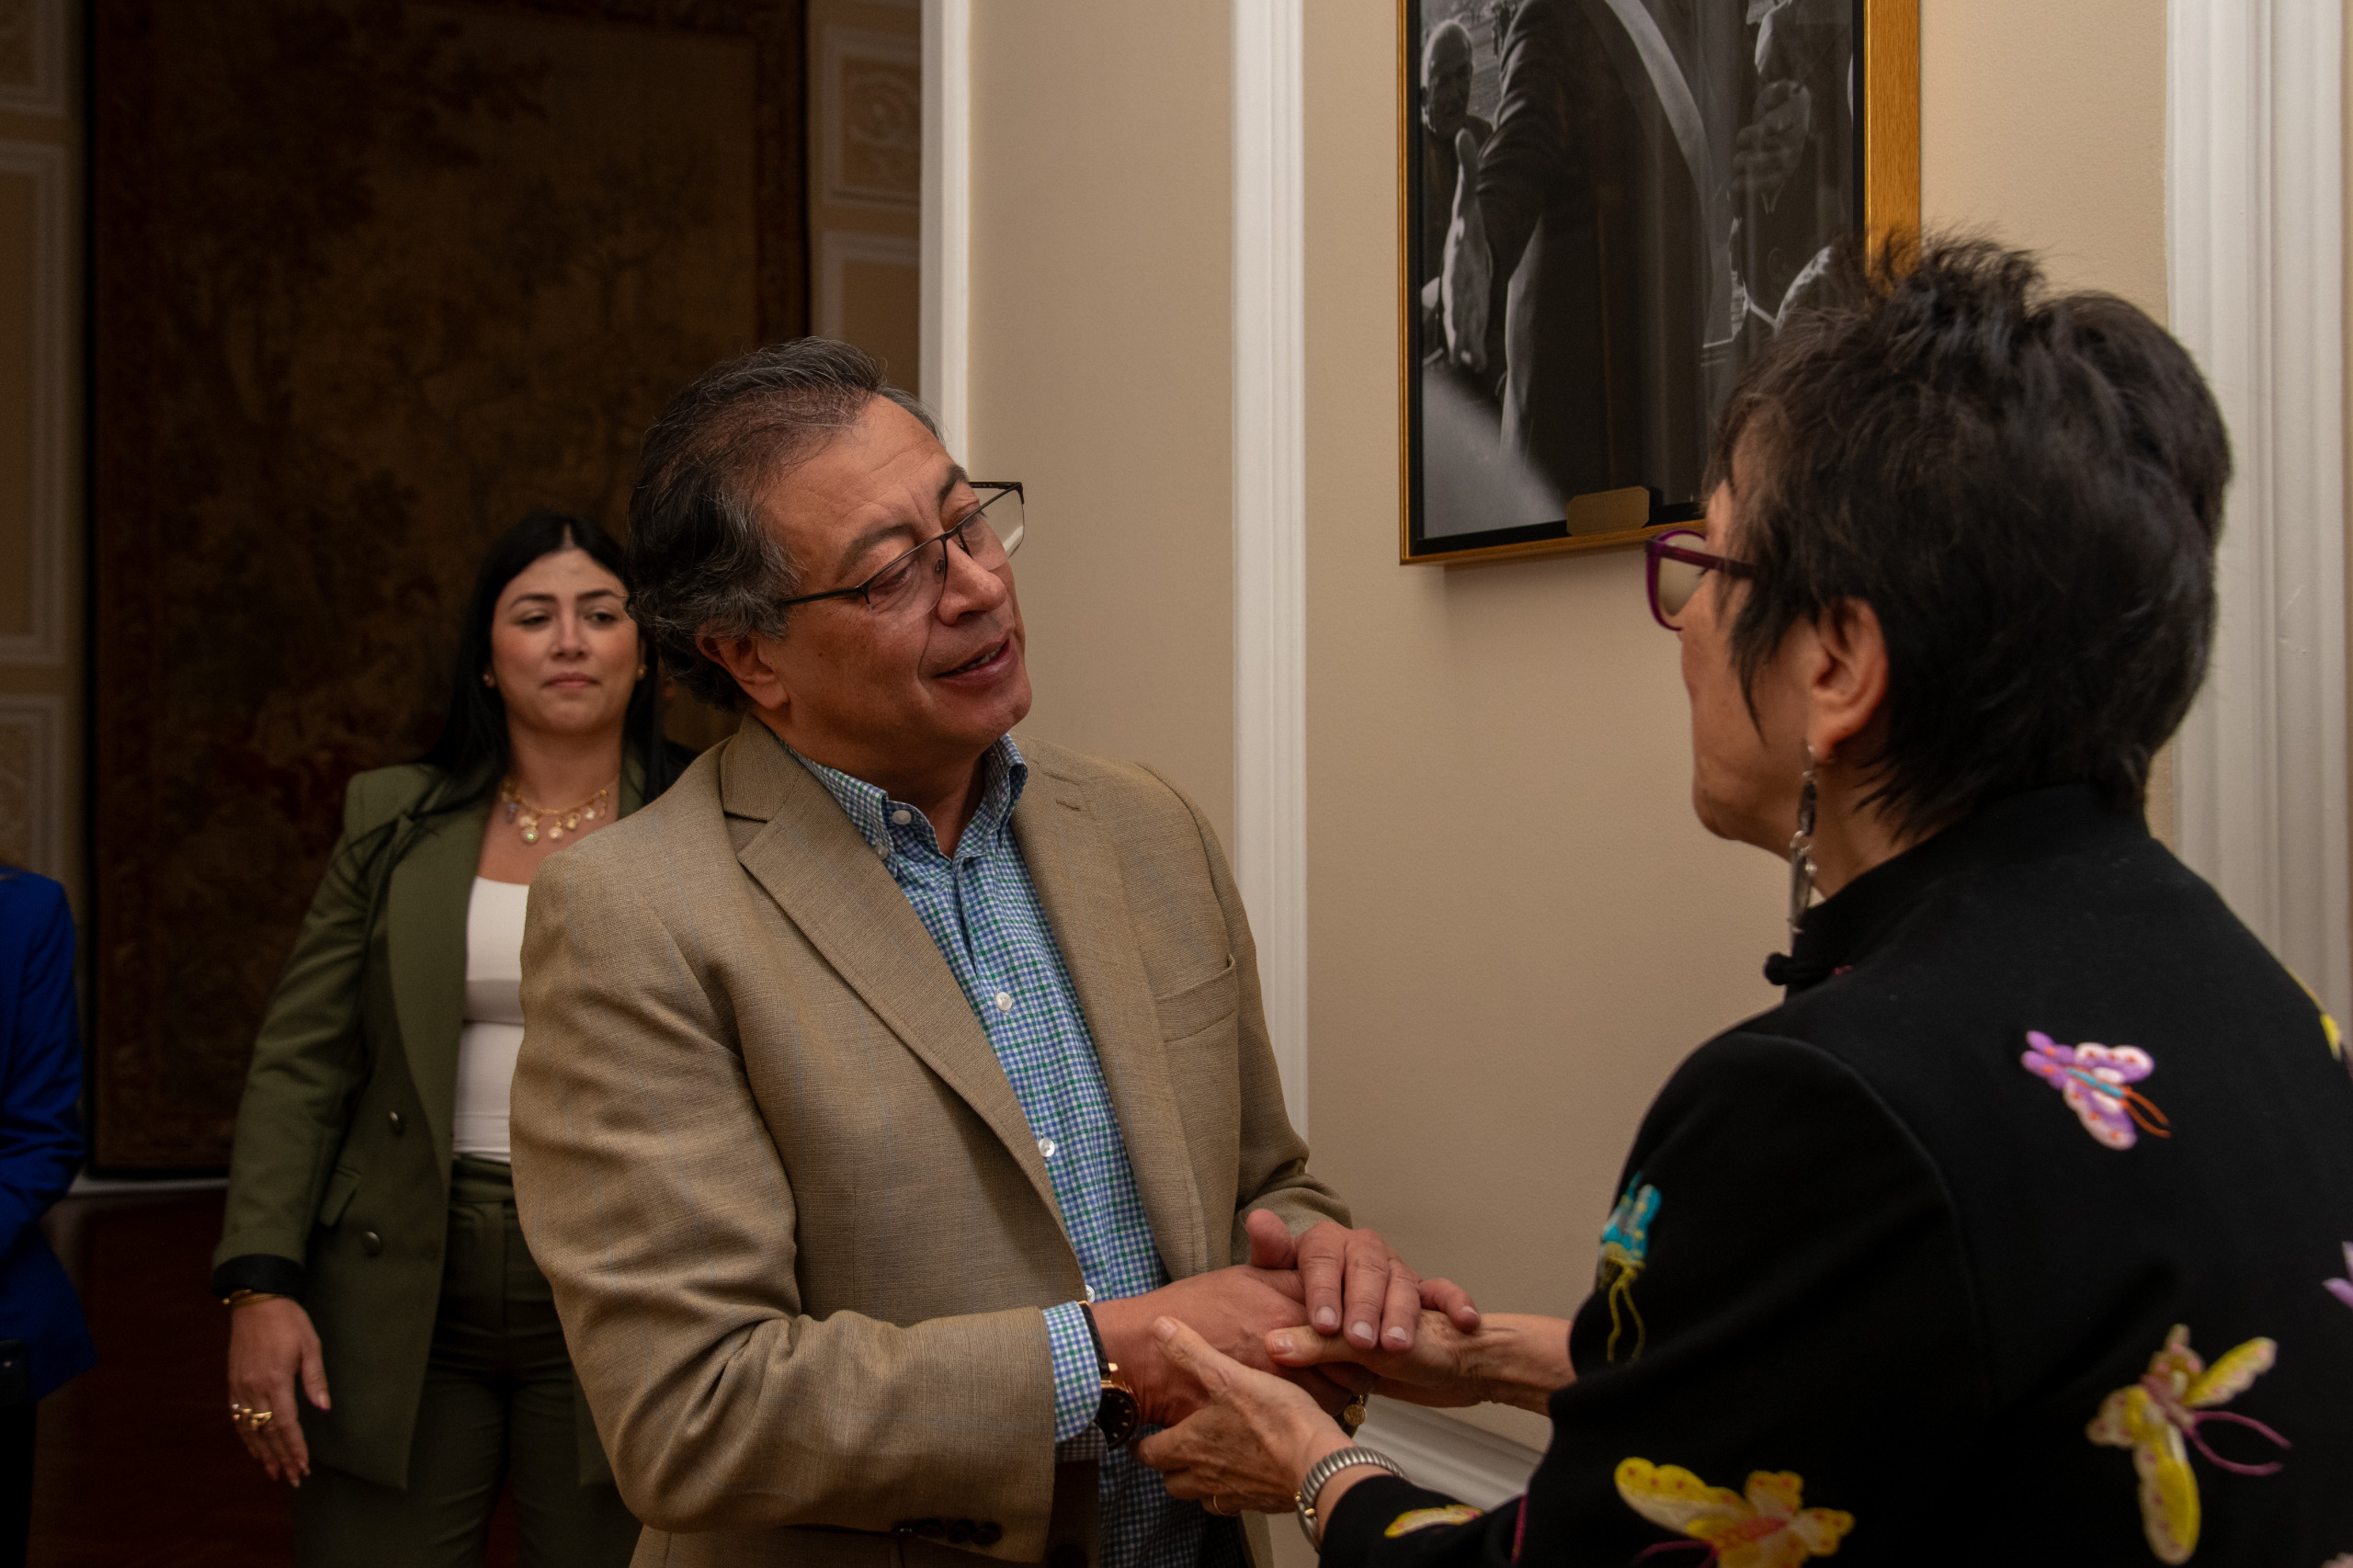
(1606, 207)
(370, 279)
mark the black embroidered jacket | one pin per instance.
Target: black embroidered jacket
(2018, 1235)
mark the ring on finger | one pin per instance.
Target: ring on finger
(1222, 1513)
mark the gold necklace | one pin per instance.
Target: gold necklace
(567, 819)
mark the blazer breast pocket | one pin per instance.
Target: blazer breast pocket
(1201, 1005)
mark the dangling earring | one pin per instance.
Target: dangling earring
(1801, 852)
(489, 680)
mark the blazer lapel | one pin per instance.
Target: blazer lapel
(1077, 870)
(424, 936)
(832, 885)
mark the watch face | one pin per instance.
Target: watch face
(1118, 1415)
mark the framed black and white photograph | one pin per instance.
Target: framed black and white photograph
(1608, 207)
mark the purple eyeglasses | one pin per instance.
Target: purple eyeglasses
(1676, 570)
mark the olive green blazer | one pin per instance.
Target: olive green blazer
(339, 1183)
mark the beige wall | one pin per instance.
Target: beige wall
(1101, 365)
(1516, 927)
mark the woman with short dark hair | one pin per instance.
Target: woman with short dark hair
(2006, 1238)
(371, 1256)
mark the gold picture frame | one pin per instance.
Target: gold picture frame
(1883, 68)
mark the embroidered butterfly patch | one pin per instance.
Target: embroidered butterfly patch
(1763, 1528)
(1625, 1244)
(2095, 1081)
(2158, 1418)
(2343, 1289)
(1424, 1518)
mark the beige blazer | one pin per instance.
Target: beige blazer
(798, 1230)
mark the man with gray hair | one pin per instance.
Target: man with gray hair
(884, 1082)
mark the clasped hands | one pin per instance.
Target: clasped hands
(1248, 1413)
(1348, 1285)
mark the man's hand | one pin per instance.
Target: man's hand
(1354, 1275)
(1232, 1310)
(271, 1345)
(1251, 1439)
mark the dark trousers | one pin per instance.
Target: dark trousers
(497, 1402)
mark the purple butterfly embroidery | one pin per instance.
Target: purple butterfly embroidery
(2343, 1289)
(2094, 1079)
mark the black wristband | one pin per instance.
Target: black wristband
(262, 1271)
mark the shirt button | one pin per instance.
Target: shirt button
(1046, 1147)
(1004, 1002)
(1090, 1295)
(883, 850)
(903, 818)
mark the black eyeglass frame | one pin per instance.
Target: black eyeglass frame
(1003, 487)
(1657, 549)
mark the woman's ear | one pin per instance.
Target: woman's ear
(750, 660)
(1846, 679)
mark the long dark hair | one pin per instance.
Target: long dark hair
(473, 752)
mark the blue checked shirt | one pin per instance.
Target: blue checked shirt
(982, 909)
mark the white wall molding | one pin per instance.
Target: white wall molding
(2254, 267)
(947, 227)
(1448, 1454)
(49, 400)
(1270, 516)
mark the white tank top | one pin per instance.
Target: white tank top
(494, 1018)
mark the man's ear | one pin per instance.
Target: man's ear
(751, 662)
(1846, 679)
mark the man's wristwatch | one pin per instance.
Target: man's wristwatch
(1118, 1413)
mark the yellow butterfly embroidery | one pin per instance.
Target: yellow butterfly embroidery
(2335, 1037)
(1426, 1518)
(1764, 1529)
(2158, 1418)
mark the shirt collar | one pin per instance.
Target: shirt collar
(1840, 932)
(872, 812)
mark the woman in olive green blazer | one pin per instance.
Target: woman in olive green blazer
(364, 1258)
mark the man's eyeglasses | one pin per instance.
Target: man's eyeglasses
(909, 586)
(1676, 569)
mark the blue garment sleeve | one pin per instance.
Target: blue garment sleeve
(1078, 1376)
(40, 1057)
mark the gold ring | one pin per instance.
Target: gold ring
(258, 1419)
(1222, 1513)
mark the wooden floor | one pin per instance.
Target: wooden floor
(137, 1465)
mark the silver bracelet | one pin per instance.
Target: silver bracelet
(1328, 1467)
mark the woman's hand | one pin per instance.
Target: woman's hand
(271, 1344)
(1253, 1440)
(1511, 1358)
